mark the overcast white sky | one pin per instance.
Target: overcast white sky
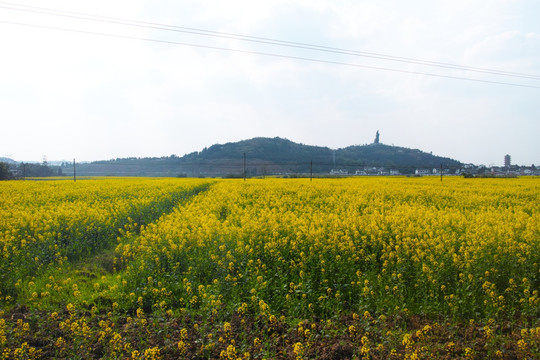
(66, 94)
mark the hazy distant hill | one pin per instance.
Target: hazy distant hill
(269, 156)
(7, 160)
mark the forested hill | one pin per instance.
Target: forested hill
(270, 156)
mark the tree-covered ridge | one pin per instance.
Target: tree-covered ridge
(269, 149)
(392, 157)
(264, 156)
(282, 152)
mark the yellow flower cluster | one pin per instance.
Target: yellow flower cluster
(52, 222)
(268, 267)
(463, 247)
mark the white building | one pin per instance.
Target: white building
(422, 172)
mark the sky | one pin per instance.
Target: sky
(102, 79)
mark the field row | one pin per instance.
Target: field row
(53, 222)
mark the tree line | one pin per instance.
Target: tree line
(22, 170)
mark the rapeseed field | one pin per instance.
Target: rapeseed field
(365, 268)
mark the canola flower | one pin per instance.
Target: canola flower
(461, 248)
(269, 267)
(53, 222)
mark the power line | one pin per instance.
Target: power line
(271, 54)
(314, 47)
(158, 26)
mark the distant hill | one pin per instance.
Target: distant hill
(7, 160)
(269, 156)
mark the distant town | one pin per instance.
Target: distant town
(467, 170)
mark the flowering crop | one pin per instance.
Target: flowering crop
(275, 268)
(461, 248)
(51, 222)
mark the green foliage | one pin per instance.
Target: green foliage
(4, 171)
(267, 156)
(37, 170)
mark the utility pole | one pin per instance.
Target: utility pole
(74, 172)
(24, 171)
(311, 170)
(244, 166)
(441, 172)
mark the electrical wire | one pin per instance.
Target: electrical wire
(271, 55)
(158, 26)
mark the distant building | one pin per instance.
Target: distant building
(339, 172)
(376, 141)
(507, 160)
